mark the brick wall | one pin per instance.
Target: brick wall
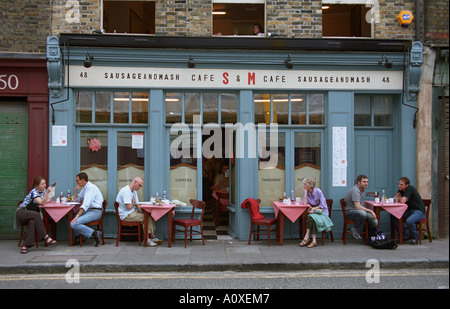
(24, 25)
(436, 22)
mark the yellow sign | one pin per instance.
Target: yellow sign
(405, 18)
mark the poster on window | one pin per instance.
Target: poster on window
(339, 156)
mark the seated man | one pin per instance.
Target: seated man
(129, 209)
(90, 210)
(355, 209)
(409, 195)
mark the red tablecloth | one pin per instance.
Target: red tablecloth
(58, 210)
(292, 211)
(395, 209)
(157, 212)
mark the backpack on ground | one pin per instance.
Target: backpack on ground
(378, 240)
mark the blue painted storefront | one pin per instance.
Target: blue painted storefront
(383, 153)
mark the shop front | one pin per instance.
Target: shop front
(23, 131)
(266, 112)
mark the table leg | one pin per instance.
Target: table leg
(170, 219)
(377, 213)
(69, 219)
(281, 226)
(400, 231)
(46, 223)
(145, 228)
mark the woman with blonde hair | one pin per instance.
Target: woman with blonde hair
(317, 219)
(28, 213)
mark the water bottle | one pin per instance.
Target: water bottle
(292, 196)
(383, 197)
(164, 195)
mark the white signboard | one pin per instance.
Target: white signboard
(339, 156)
(59, 135)
(134, 77)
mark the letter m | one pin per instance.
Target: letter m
(251, 78)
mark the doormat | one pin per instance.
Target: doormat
(61, 258)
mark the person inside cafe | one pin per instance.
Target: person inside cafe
(129, 209)
(221, 182)
(258, 30)
(28, 213)
(415, 212)
(317, 219)
(90, 210)
(355, 209)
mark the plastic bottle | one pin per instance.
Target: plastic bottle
(292, 196)
(383, 197)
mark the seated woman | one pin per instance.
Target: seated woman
(317, 219)
(28, 213)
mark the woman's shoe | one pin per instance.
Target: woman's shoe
(304, 242)
(24, 250)
(312, 245)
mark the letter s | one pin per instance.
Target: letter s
(225, 78)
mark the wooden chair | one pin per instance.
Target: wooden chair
(349, 221)
(427, 203)
(190, 223)
(330, 206)
(219, 207)
(98, 223)
(21, 232)
(268, 223)
(127, 225)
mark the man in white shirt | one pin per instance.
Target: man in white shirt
(90, 210)
(129, 209)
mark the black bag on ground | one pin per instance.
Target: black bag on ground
(378, 240)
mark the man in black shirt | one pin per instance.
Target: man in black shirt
(408, 195)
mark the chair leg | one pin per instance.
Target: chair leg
(103, 238)
(268, 235)
(251, 232)
(185, 236)
(344, 234)
(118, 236)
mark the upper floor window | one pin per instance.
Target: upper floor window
(238, 17)
(347, 18)
(111, 107)
(129, 16)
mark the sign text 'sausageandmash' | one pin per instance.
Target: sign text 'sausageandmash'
(132, 77)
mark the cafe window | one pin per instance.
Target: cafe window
(373, 111)
(214, 107)
(290, 108)
(234, 17)
(94, 158)
(347, 18)
(111, 107)
(129, 16)
(130, 159)
(183, 168)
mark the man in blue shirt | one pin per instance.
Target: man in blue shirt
(90, 210)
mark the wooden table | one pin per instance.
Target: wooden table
(157, 212)
(57, 211)
(292, 211)
(395, 209)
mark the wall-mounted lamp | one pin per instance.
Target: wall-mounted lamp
(387, 63)
(191, 62)
(288, 62)
(88, 61)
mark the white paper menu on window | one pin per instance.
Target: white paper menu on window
(339, 156)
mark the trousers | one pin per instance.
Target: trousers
(35, 225)
(79, 226)
(359, 216)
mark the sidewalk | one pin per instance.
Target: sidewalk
(218, 255)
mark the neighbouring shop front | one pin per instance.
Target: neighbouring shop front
(175, 111)
(23, 131)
